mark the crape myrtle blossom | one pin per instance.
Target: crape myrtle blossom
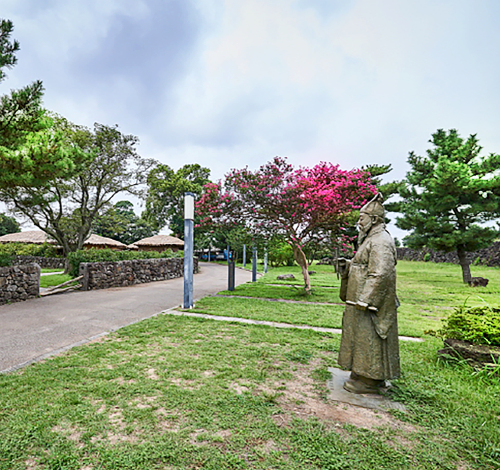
(301, 204)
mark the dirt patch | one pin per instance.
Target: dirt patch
(194, 440)
(151, 374)
(269, 446)
(70, 431)
(187, 384)
(300, 397)
(31, 464)
(122, 381)
(238, 388)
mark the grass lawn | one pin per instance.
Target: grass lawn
(54, 280)
(52, 270)
(427, 292)
(184, 393)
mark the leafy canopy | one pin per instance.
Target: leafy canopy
(32, 152)
(120, 222)
(304, 205)
(66, 207)
(449, 194)
(165, 195)
(8, 225)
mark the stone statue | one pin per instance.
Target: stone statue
(369, 346)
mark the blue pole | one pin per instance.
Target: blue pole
(188, 249)
(244, 256)
(254, 264)
(265, 261)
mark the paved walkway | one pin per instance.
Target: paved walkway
(39, 328)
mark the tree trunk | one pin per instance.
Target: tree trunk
(464, 263)
(301, 259)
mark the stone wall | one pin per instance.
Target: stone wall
(107, 274)
(44, 263)
(19, 283)
(489, 256)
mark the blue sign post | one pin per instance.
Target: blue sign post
(188, 249)
(254, 264)
(244, 256)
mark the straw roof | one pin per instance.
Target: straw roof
(97, 240)
(159, 240)
(36, 237)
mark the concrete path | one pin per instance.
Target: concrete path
(38, 328)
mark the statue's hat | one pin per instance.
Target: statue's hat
(374, 206)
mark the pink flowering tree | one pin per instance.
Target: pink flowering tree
(301, 205)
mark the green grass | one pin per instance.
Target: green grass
(428, 292)
(184, 393)
(52, 270)
(54, 280)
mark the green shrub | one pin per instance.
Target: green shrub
(479, 325)
(29, 249)
(5, 259)
(427, 257)
(95, 255)
(280, 254)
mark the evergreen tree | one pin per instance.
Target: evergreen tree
(31, 152)
(448, 195)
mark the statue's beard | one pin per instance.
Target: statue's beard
(363, 232)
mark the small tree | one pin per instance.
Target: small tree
(447, 194)
(298, 204)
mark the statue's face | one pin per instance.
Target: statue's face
(364, 222)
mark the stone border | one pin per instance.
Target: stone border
(19, 283)
(43, 262)
(106, 274)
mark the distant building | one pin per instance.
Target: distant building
(38, 237)
(158, 243)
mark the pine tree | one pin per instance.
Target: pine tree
(448, 196)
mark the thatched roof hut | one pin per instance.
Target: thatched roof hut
(37, 237)
(96, 241)
(160, 243)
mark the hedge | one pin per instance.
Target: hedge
(29, 249)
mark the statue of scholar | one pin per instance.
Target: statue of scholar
(369, 346)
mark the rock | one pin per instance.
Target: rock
(478, 282)
(311, 273)
(284, 277)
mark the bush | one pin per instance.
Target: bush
(280, 254)
(5, 259)
(95, 255)
(427, 257)
(45, 250)
(479, 325)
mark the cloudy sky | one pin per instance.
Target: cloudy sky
(229, 83)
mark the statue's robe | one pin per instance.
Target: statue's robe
(369, 345)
